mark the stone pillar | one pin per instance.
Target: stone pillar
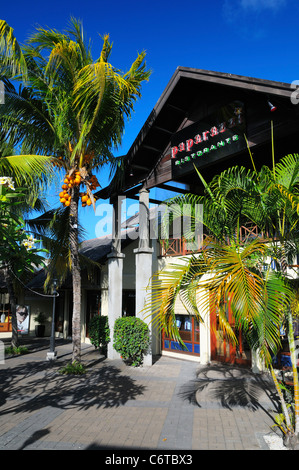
(143, 260)
(204, 327)
(205, 340)
(115, 277)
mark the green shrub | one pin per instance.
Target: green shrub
(131, 339)
(73, 368)
(99, 333)
(16, 351)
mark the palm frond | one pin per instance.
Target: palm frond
(287, 171)
(104, 96)
(25, 119)
(264, 334)
(29, 167)
(290, 196)
(53, 229)
(12, 58)
(76, 31)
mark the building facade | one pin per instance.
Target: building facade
(206, 120)
(210, 121)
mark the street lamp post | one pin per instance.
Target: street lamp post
(52, 354)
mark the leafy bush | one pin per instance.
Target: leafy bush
(131, 339)
(99, 332)
(16, 351)
(40, 318)
(73, 368)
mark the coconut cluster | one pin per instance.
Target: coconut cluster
(75, 179)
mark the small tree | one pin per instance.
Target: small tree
(73, 108)
(131, 339)
(235, 265)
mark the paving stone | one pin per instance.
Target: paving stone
(167, 406)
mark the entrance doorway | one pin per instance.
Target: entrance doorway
(222, 349)
(128, 303)
(188, 327)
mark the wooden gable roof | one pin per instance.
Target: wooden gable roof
(190, 95)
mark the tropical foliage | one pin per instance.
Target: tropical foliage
(72, 109)
(99, 332)
(237, 263)
(131, 339)
(20, 254)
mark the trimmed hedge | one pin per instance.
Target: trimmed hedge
(99, 332)
(131, 339)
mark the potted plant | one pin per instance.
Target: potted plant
(40, 327)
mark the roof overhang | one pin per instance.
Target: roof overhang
(187, 88)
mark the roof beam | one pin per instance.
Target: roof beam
(176, 108)
(139, 167)
(162, 129)
(151, 200)
(148, 147)
(133, 191)
(173, 188)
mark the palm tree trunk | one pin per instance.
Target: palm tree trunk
(282, 401)
(13, 302)
(295, 372)
(76, 276)
(292, 352)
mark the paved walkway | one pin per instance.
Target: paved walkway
(174, 405)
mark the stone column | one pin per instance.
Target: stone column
(115, 276)
(143, 260)
(204, 327)
(204, 340)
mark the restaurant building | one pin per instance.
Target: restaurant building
(204, 119)
(209, 120)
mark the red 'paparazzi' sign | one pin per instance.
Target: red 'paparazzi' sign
(217, 136)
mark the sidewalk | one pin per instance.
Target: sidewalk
(172, 405)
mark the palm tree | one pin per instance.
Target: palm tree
(221, 270)
(72, 108)
(269, 199)
(280, 197)
(229, 265)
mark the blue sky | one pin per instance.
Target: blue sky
(256, 38)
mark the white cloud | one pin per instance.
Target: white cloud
(262, 4)
(246, 17)
(234, 10)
